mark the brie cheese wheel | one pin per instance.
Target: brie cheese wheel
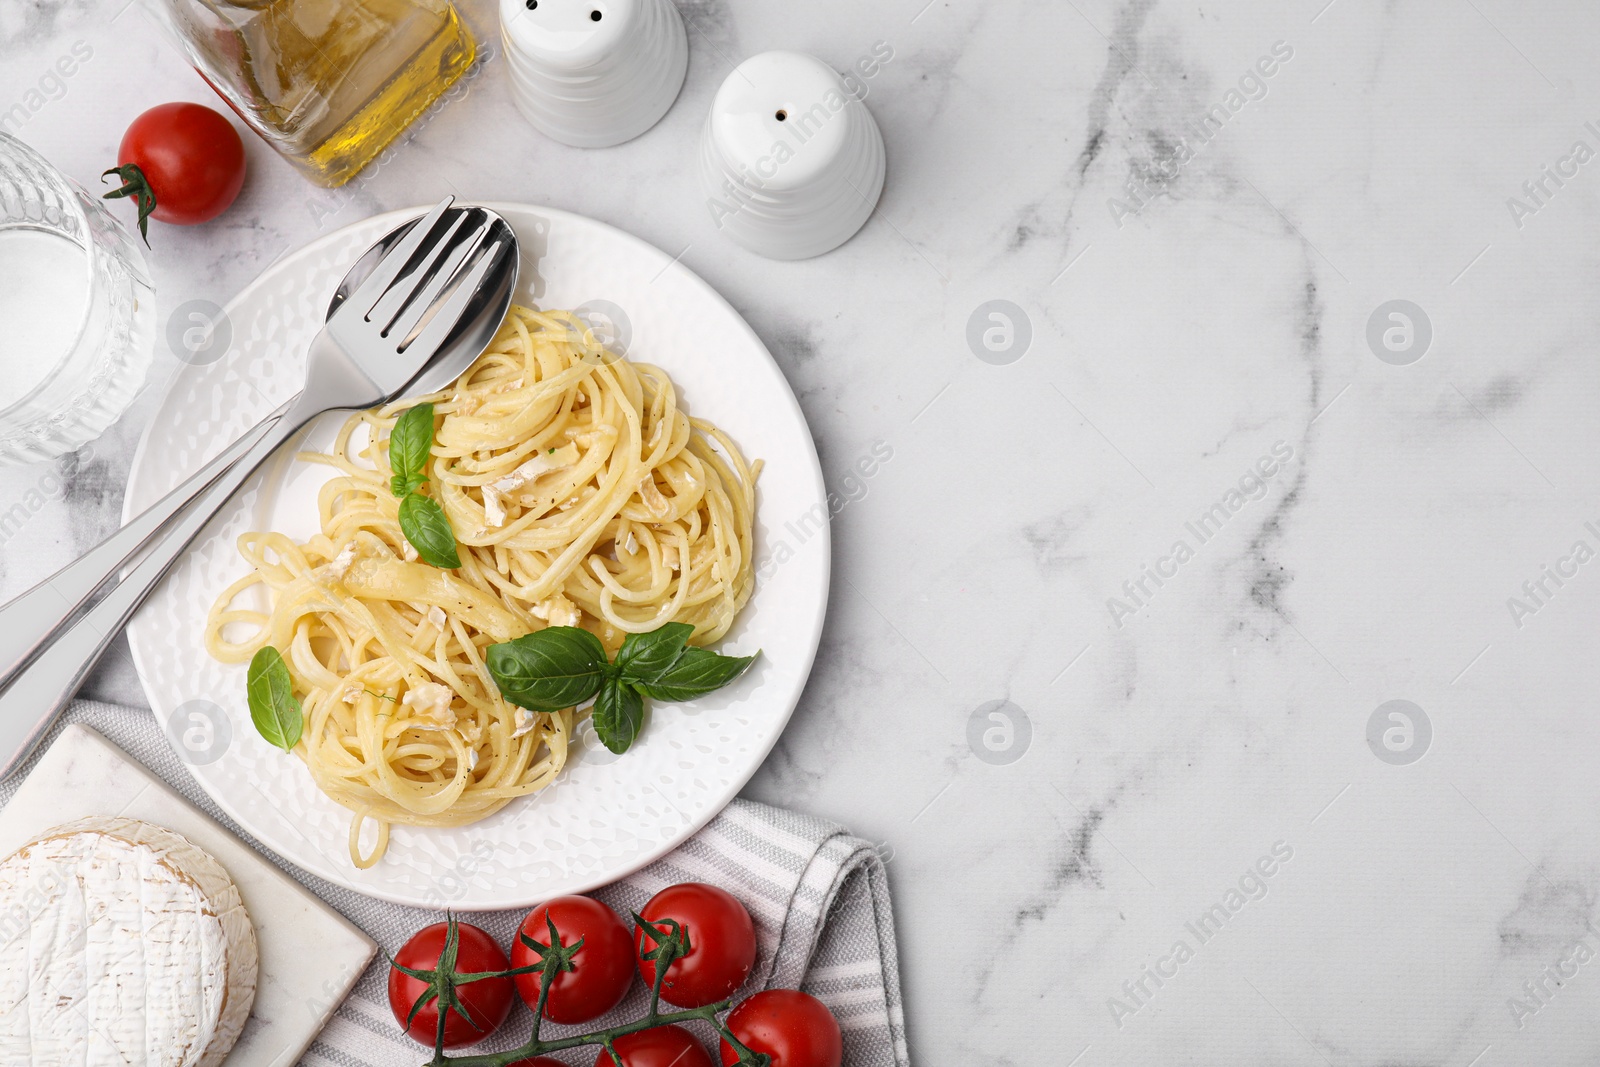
(121, 943)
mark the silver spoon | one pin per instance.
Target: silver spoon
(411, 316)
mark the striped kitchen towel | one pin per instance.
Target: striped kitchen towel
(819, 898)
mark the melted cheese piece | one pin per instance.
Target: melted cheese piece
(121, 943)
(431, 703)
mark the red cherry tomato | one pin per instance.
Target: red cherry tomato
(186, 158)
(661, 1046)
(602, 967)
(794, 1028)
(488, 1001)
(722, 944)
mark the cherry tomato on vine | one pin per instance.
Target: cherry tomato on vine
(182, 163)
(488, 1001)
(661, 1046)
(722, 944)
(794, 1028)
(602, 968)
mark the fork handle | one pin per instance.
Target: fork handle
(32, 620)
(40, 689)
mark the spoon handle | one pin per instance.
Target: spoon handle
(40, 689)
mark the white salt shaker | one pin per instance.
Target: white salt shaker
(792, 162)
(594, 73)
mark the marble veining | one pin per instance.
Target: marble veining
(1192, 221)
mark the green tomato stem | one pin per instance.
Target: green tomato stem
(137, 186)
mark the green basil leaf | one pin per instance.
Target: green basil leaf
(618, 714)
(696, 672)
(423, 522)
(645, 657)
(550, 669)
(409, 445)
(403, 485)
(273, 708)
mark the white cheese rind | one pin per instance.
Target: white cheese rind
(121, 942)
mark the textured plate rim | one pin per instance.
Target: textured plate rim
(812, 475)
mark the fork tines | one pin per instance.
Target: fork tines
(435, 329)
(396, 260)
(429, 277)
(463, 243)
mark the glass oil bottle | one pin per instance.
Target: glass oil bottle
(328, 83)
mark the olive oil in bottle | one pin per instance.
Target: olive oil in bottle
(328, 83)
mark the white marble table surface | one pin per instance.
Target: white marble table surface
(1197, 308)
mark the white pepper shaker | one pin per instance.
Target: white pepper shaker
(791, 162)
(594, 73)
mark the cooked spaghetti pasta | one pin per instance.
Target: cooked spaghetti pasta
(579, 493)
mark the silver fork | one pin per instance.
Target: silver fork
(379, 341)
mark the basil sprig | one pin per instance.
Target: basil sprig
(425, 525)
(273, 708)
(409, 445)
(563, 666)
(694, 673)
(549, 670)
(422, 519)
(618, 714)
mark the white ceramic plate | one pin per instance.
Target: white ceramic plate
(606, 816)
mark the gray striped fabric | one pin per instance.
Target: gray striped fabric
(819, 897)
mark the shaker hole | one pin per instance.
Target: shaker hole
(594, 16)
(533, 5)
(781, 115)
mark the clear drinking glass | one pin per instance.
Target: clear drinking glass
(77, 311)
